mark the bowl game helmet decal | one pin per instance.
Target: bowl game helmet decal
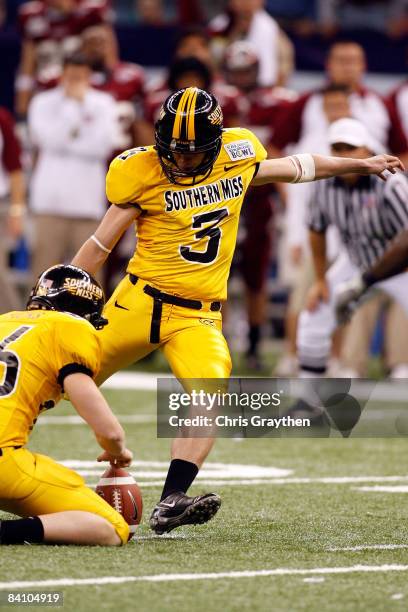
(70, 289)
(190, 121)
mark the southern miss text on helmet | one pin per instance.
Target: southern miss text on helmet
(70, 289)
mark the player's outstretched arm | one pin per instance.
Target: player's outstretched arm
(94, 252)
(93, 408)
(304, 167)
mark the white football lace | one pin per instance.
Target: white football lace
(117, 500)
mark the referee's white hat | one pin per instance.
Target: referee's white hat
(352, 132)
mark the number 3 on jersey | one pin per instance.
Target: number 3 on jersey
(11, 361)
(212, 232)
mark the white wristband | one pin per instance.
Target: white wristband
(297, 168)
(100, 245)
(305, 168)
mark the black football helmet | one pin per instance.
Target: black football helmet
(190, 121)
(70, 289)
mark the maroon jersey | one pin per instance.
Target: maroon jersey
(38, 21)
(261, 109)
(10, 151)
(125, 83)
(398, 105)
(306, 115)
(9, 146)
(57, 34)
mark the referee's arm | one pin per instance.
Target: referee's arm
(393, 262)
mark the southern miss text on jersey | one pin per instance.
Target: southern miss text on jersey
(186, 235)
(37, 349)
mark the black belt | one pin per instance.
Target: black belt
(160, 298)
(13, 447)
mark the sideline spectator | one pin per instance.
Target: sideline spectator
(192, 60)
(345, 66)
(50, 30)
(260, 108)
(73, 127)
(248, 20)
(125, 81)
(398, 104)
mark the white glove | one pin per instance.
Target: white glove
(347, 298)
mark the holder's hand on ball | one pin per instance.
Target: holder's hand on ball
(122, 460)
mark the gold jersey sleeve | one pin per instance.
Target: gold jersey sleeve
(127, 175)
(76, 347)
(37, 349)
(187, 232)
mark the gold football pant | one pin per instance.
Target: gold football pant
(191, 340)
(33, 484)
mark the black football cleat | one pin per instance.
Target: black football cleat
(179, 509)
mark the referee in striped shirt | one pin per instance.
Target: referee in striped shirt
(369, 213)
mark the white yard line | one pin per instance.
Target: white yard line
(276, 481)
(281, 571)
(75, 419)
(383, 489)
(151, 474)
(135, 380)
(369, 547)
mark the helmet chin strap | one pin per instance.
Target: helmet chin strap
(194, 178)
(174, 175)
(97, 320)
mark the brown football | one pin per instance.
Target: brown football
(121, 491)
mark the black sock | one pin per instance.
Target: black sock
(179, 477)
(254, 336)
(22, 530)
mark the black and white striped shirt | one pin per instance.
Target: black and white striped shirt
(368, 214)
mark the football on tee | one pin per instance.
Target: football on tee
(121, 491)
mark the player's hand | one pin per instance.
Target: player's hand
(319, 292)
(122, 460)
(381, 163)
(347, 298)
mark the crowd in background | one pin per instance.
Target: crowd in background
(77, 103)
